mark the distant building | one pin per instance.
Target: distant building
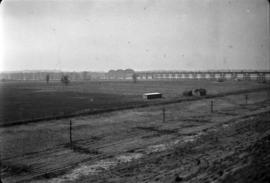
(120, 74)
(154, 95)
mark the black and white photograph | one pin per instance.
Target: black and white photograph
(135, 91)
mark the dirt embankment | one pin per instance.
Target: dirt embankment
(237, 151)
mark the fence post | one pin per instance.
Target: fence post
(246, 97)
(163, 114)
(212, 106)
(70, 133)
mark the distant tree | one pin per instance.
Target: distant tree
(65, 80)
(129, 71)
(134, 77)
(47, 78)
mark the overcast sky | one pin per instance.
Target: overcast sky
(100, 35)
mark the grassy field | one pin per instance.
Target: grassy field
(109, 140)
(30, 100)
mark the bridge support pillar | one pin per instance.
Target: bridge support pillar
(203, 76)
(222, 76)
(261, 77)
(194, 75)
(212, 76)
(234, 75)
(247, 77)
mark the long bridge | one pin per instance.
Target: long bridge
(212, 75)
(141, 75)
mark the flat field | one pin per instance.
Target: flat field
(191, 144)
(22, 101)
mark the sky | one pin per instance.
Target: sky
(99, 35)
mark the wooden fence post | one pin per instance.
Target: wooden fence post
(163, 114)
(212, 106)
(70, 133)
(246, 97)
